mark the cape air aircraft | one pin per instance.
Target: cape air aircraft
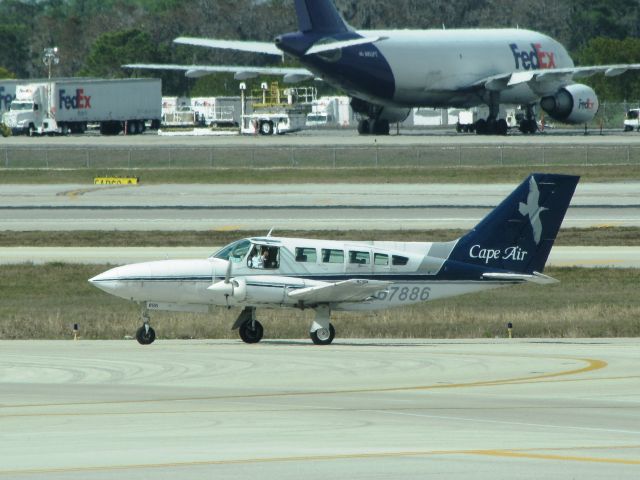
(509, 246)
(388, 72)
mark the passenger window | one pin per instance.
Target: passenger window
(332, 256)
(397, 260)
(381, 259)
(306, 255)
(359, 258)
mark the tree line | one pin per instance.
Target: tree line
(95, 37)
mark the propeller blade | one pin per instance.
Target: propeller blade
(227, 277)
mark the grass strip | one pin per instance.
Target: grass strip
(45, 301)
(413, 175)
(597, 237)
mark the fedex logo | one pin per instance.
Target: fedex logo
(587, 104)
(5, 99)
(535, 59)
(79, 101)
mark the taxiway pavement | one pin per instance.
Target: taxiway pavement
(394, 409)
(291, 207)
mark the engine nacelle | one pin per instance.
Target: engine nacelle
(575, 103)
(233, 292)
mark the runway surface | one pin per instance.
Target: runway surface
(306, 206)
(288, 410)
(589, 257)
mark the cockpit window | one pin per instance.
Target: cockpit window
(234, 252)
(264, 256)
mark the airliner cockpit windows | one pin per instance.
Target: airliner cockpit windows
(234, 252)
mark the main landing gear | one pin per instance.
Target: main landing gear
(145, 334)
(373, 127)
(251, 330)
(492, 125)
(528, 124)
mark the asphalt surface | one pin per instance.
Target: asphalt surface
(307, 206)
(392, 409)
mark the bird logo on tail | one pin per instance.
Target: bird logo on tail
(532, 209)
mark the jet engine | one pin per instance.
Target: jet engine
(572, 104)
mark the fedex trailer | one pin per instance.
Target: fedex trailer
(68, 105)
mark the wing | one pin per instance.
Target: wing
(240, 45)
(290, 75)
(347, 291)
(552, 78)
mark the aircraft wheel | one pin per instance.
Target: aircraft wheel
(251, 331)
(501, 127)
(363, 127)
(381, 127)
(481, 127)
(144, 336)
(323, 336)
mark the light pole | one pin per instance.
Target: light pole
(50, 57)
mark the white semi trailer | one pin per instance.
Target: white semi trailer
(68, 105)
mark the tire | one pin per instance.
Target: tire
(251, 333)
(501, 127)
(266, 128)
(145, 338)
(363, 127)
(322, 336)
(381, 127)
(481, 127)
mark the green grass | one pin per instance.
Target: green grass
(45, 301)
(368, 174)
(606, 236)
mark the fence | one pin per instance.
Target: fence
(316, 157)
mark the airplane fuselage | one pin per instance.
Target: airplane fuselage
(414, 273)
(434, 68)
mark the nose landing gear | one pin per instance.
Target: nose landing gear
(145, 335)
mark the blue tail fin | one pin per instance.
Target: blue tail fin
(518, 234)
(319, 16)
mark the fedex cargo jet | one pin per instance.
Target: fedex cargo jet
(388, 72)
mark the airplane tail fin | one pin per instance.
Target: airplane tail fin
(518, 234)
(319, 16)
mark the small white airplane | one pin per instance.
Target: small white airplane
(510, 246)
(388, 72)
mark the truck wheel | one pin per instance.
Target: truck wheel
(266, 128)
(64, 130)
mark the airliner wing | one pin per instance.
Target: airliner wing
(291, 75)
(266, 48)
(354, 290)
(541, 77)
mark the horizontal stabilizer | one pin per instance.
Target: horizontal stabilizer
(266, 48)
(328, 47)
(535, 277)
(353, 290)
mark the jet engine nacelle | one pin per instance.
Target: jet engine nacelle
(572, 104)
